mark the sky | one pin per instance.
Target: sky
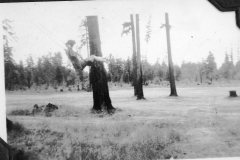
(197, 28)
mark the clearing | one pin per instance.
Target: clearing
(202, 122)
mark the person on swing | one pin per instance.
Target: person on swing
(81, 63)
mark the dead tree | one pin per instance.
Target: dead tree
(139, 64)
(98, 75)
(127, 27)
(134, 57)
(170, 63)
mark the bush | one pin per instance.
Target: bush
(20, 112)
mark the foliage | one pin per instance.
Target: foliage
(211, 67)
(84, 34)
(30, 70)
(237, 71)
(226, 68)
(116, 69)
(11, 73)
(127, 73)
(59, 75)
(50, 70)
(22, 75)
(148, 72)
(126, 28)
(189, 71)
(178, 72)
(148, 30)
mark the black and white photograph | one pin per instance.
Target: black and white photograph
(120, 80)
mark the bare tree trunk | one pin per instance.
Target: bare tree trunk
(171, 70)
(98, 75)
(87, 38)
(139, 64)
(134, 57)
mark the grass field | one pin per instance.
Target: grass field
(202, 122)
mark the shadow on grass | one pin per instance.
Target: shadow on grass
(107, 142)
(15, 130)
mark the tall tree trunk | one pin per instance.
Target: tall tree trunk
(98, 74)
(170, 63)
(139, 64)
(87, 39)
(134, 57)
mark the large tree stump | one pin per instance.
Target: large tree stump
(98, 75)
(98, 79)
(233, 94)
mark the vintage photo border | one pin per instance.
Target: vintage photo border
(221, 5)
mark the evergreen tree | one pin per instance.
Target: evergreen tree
(59, 75)
(177, 72)
(30, 70)
(111, 68)
(147, 72)
(164, 71)
(127, 71)
(48, 69)
(22, 77)
(226, 67)
(202, 70)
(38, 74)
(119, 69)
(57, 59)
(237, 70)
(11, 73)
(232, 71)
(211, 67)
(189, 71)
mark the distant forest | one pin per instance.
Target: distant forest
(49, 69)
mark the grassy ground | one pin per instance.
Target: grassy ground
(202, 122)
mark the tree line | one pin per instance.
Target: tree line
(49, 69)
(204, 71)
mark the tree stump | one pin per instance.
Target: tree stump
(233, 93)
(98, 74)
